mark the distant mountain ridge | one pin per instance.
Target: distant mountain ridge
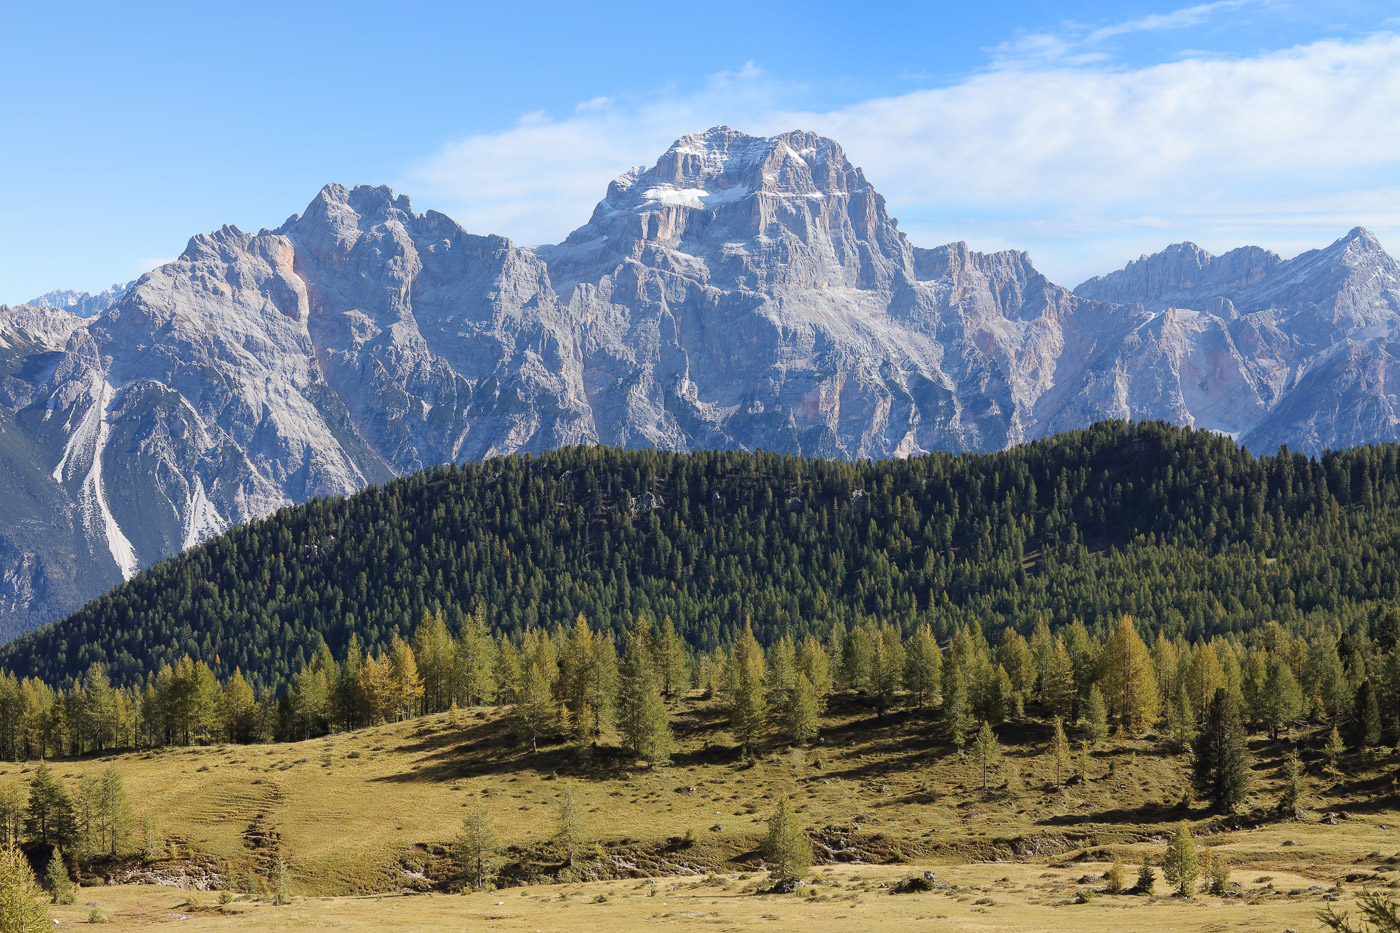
(744, 292)
(82, 304)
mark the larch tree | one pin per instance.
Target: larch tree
(814, 662)
(986, 750)
(475, 849)
(671, 660)
(786, 849)
(569, 830)
(1181, 865)
(923, 667)
(745, 678)
(1130, 679)
(1060, 750)
(1095, 717)
(533, 715)
(22, 907)
(641, 711)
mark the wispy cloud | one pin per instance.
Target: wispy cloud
(1177, 19)
(1085, 165)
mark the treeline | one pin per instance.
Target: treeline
(586, 684)
(1182, 529)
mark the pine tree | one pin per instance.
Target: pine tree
(1221, 761)
(986, 750)
(1366, 717)
(405, 684)
(50, 819)
(1095, 717)
(1060, 750)
(1147, 876)
(787, 850)
(1180, 866)
(60, 884)
(22, 908)
(570, 830)
(475, 848)
(1221, 758)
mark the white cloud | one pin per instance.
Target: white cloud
(596, 103)
(1083, 164)
(1177, 19)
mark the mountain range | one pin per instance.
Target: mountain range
(743, 292)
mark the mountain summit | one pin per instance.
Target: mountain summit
(744, 292)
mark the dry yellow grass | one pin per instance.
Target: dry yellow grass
(350, 810)
(990, 897)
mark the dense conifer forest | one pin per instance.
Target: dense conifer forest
(1181, 529)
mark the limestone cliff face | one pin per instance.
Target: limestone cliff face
(743, 292)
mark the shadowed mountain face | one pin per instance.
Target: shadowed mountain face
(744, 292)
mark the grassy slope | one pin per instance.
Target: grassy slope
(348, 810)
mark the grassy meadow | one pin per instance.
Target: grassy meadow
(363, 822)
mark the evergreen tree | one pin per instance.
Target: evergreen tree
(787, 850)
(49, 819)
(1365, 717)
(1147, 876)
(22, 908)
(475, 849)
(59, 883)
(1221, 758)
(986, 750)
(1181, 866)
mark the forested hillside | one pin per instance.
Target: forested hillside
(1182, 529)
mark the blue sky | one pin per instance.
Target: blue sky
(1087, 132)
